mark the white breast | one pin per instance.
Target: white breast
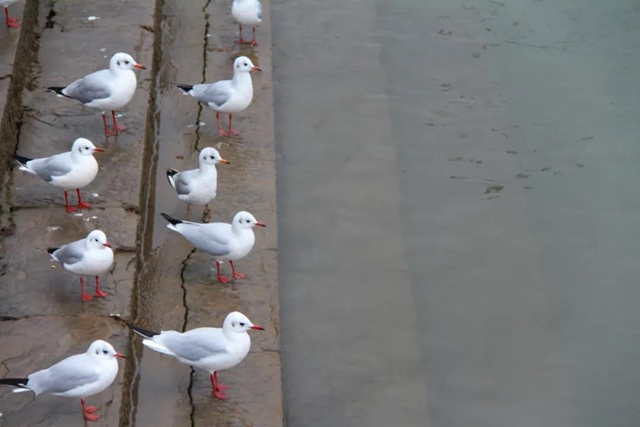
(245, 12)
(236, 352)
(94, 263)
(81, 175)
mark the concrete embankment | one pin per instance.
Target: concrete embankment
(157, 280)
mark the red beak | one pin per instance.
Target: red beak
(121, 356)
(257, 327)
(256, 68)
(98, 150)
(107, 245)
(141, 67)
(260, 224)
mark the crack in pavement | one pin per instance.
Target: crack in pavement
(184, 328)
(205, 45)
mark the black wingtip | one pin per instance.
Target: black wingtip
(172, 172)
(171, 219)
(15, 382)
(57, 89)
(186, 88)
(21, 160)
(145, 333)
(52, 250)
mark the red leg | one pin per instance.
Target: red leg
(85, 297)
(116, 128)
(232, 131)
(88, 412)
(240, 39)
(11, 22)
(236, 275)
(80, 204)
(220, 130)
(221, 278)
(107, 132)
(220, 386)
(99, 293)
(217, 391)
(254, 42)
(66, 201)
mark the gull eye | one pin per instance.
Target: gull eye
(245, 64)
(241, 324)
(118, 62)
(126, 62)
(105, 351)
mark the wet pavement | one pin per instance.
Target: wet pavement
(159, 281)
(456, 207)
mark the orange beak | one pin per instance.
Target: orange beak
(260, 224)
(121, 356)
(107, 245)
(140, 67)
(257, 327)
(98, 150)
(225, 161)
(256, 68)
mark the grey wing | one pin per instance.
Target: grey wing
(64, 376)
(195, 344)
(217, 93)
(71, 253)
(89, 88)
(207, 237)
(259, 9)
(182, 183)
(51, 167)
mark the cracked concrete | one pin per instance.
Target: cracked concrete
(158, 281)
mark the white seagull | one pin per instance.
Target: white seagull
(224, 241)
(198, 186)
(80, 375)
(209, 349)
(103, 90)
(227, 96)
(11, 22)
(71, 170)
(247, 12)
(90, 256)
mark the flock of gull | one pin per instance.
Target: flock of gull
(209, 349)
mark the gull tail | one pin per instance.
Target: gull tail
(58, 90)
(157, 347)
(170, 174)
(19, 383)
(186, 88)
(22, 161)
(172, 222)
(51, 251)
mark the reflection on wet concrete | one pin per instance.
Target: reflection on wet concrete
(513, 127)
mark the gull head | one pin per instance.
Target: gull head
(210, 156)
(84, 147)
(244, 64)
(97, 240)
(245, 220)
(124, 61)
(238, 322)
(103, 350)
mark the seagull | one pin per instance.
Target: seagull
(11, 22)
(74, 169)
(80, 375)
(90, 256)
(227, 96)
(247, 12)
(224, 241)
(109, 89)
(209, 349)
(198, 186)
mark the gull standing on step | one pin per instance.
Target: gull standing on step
(224, 241)
(11, 22)
(103, 90)
(209, 349)
(247, 12)
(74, 169)
(227, 96)
(198, 186)
(80, 375)
(91, 256)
